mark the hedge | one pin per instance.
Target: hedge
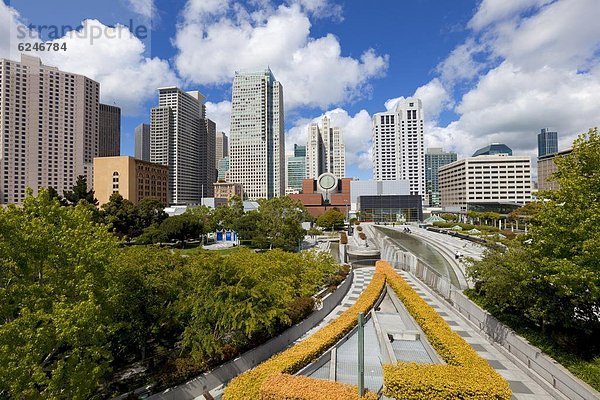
(343, 238)
(291, 387)
(466, 375)
(248, 385)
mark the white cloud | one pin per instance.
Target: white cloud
(563, 34)
(461, 64)
(356, 131)
(11, 33)
(494, 11)
(537, 65)
(127, 78)
(321, 8)
(115, 59)
(220, 113)
(197, 9)
(144, 8)
(313, 71)
(434, 96)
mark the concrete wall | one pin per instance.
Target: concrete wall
(225, 372)
(342, 250)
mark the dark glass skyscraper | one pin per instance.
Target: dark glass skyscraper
(547, 142)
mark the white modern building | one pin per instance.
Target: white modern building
(398, 145)
(485, 183)
(182, 138)
(256, 138)
(50, 126)
(325, 150)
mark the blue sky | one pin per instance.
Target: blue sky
(487, 71)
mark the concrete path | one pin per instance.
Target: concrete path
(362, 278)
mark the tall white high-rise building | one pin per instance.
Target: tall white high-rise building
(50, 123)
(398, 145)
(256, 141)
(180, 137)
(325, 150)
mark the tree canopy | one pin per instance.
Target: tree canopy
(54, 319)
(553, 275)
(80, 192)
(331, 219)
(76, 305)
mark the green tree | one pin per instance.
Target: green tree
(314, 231)
(123, 216)
(53, 193)
(331, 219)
(144, 284)
(280, 223)
(229, 216)
(181, 228)
(80, 192)
(248, 231)
(152, 234)
(228, 301)
(53, 304)
(151, 211)
(449, 217)
(554, 279)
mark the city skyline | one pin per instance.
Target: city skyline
(477, 65)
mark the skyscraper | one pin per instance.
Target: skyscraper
(49, 121)
(142, 142)
(434, 159)
(296, 169)
(179, 138)
(547, 142)
(109, 131)
(398, 148)
(256, 141)
(325, 151)
(208, 169)
(223, 169)
(222, 147)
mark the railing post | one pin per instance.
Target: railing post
(361, 354)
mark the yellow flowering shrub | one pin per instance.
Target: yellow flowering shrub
(291, 387)
(247, 386)
(466, 376)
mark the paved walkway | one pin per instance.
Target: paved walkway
(362, 278)
(465, 247)
(523, 387)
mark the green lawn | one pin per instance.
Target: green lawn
(588, 370)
